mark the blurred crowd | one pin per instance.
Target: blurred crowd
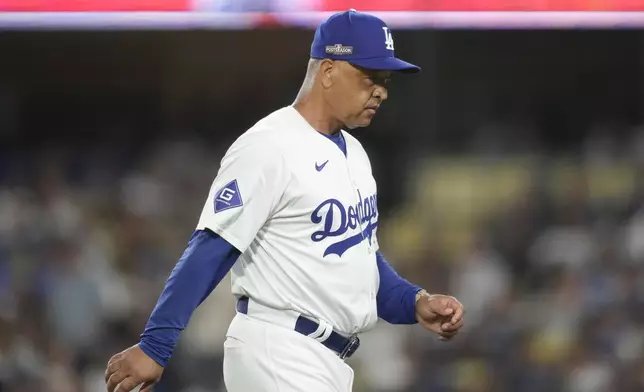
(546, 254)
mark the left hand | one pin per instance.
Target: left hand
(441, 314)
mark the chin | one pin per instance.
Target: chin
(359, 124)
(356, 126)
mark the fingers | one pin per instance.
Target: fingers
(112, 367)
(446, 306)
(114, 380)
(458, 314)
(448, 330)
(114, 358)
(447, 336)
(127, 385)
(449, 327)
(147, 387)
(440, 305)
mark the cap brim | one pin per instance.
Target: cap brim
(386, 64)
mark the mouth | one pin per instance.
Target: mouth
(372, 109)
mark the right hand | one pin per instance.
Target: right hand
(131, 368)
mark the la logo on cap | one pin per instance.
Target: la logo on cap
(389, 39)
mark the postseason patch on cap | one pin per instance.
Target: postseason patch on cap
(338, 49)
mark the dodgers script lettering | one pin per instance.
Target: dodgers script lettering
(337, 220)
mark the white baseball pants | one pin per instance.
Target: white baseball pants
(261, 356)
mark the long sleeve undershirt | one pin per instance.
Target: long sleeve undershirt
(207, 260)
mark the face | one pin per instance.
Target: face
(354, 94)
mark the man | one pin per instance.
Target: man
(293, 211)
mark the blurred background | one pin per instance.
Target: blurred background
(509, 171)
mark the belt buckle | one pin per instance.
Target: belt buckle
(351, 347)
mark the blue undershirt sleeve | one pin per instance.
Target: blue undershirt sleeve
(205, 262)
(396, 297)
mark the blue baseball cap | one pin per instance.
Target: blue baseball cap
(360, 39)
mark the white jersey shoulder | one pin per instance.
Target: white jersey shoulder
(251, 179)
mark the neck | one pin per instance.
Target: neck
(314, 109)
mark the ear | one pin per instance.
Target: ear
(327, 71)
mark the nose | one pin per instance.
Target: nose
(381, 93)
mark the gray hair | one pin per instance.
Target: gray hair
(311, 71)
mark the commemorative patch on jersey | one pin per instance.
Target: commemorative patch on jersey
(228, 197)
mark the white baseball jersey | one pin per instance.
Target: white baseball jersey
(304, 216)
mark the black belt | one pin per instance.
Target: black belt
(345, 347)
